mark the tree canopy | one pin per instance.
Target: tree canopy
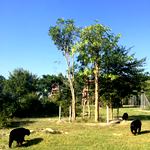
(91, 53)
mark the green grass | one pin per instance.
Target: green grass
(82, 135)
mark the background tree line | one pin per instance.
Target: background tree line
(24, 94)
(98, 53)
(92, 53)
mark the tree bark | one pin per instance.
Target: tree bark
(96, 93)
(71, 88)
(73, 99)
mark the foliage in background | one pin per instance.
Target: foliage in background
(117, 75)
(122, 74)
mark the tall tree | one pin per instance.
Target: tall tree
(122, 74)
(64, 35)
(94, 41)
(126, 68)
(19, 84)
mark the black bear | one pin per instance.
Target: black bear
(136, 126)
(125, 116)
(18, 135)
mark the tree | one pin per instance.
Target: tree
(122, 74)
(2, 81)
(146, 87)
(19, 84)
(64, 35)
(2, 101)
(45, 83)
(94, 41)
(62, 97)
(127, 72)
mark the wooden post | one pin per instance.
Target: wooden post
(112, 116)
(88, 101)
(69, 113)
(111, 112)
(118, 112)
(83, 110)
(59, 112)
(89, 110)
(107, 112)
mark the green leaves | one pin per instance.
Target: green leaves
(64, 34)
(95, 41)
(99, 54)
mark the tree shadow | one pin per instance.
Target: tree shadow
(141, 117)
(15, 124)
(32, 142)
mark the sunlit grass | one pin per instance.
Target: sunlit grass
(83, 135)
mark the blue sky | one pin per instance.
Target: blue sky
(24, 25)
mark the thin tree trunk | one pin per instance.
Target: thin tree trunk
(71, 88)
(96, 94)
(73, 92)
(73, 101)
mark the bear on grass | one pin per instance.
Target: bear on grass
(125, 116)
(136, 126)
(18, 135)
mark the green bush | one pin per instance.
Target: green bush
(3, 120)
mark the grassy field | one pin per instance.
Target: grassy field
(82, 135)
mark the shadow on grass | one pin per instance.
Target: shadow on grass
(32, 142)
(15, 124)
(145, 132)
(141, 117)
